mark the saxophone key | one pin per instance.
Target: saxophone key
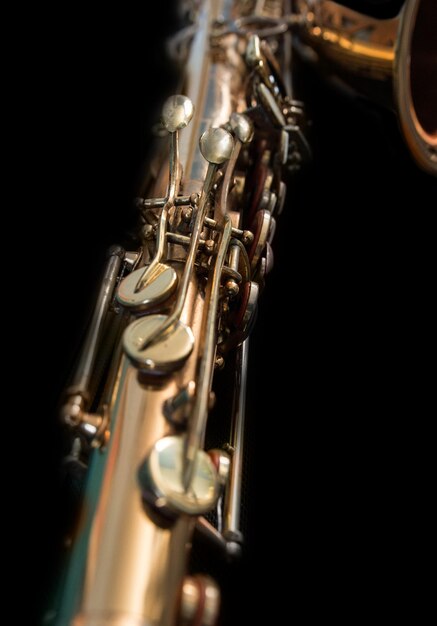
(161, 479)
(261, 229)
(244, 316)
(166, 354)
(200, 601)
(159, 287)
(269, 258)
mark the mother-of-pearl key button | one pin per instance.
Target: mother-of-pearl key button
(160, 285)
(166, 354)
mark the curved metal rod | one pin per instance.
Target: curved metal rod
(205, 367)
(233, 493)
(173, 187)
(228, 176)
(244, 258)
(172, 319)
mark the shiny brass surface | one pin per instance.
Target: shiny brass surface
(84, 368)
(200, 601)
(133, 566)
(177, 113)
(242, 127)
(161, 478)
(390, 56)
(161, 285)
(233, 494)
(186, 301)
(164, 355)
(216, 145)
(127, 567)
(356, 41)
(197, 425)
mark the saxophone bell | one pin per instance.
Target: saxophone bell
(391, 61)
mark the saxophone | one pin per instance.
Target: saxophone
(173, 317)
(171, 314)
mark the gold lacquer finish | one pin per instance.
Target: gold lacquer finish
(151, 482)
(133, 565)
(399, 55)
(181, 306)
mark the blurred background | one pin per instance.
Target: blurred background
(333, 343)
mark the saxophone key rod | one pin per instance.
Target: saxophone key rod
(231, 521)
(84, 368)
(216, 145)
(189, 202)
(196, 426)
(157, 203)
(177, 113)
(154, 283)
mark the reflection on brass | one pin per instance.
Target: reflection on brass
(160, 287)
(182, 305)
(162, 356)
(161, 479)
(394, 58)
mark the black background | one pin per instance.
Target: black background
(352, 256)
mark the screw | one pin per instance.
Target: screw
(247, 237)
(232, 288)
(194, 199)
(209, 246)
(147, 231)
(187, 214)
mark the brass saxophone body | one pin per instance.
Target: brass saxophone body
(182, 304)
(180, 308)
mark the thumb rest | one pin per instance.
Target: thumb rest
(181, 308)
